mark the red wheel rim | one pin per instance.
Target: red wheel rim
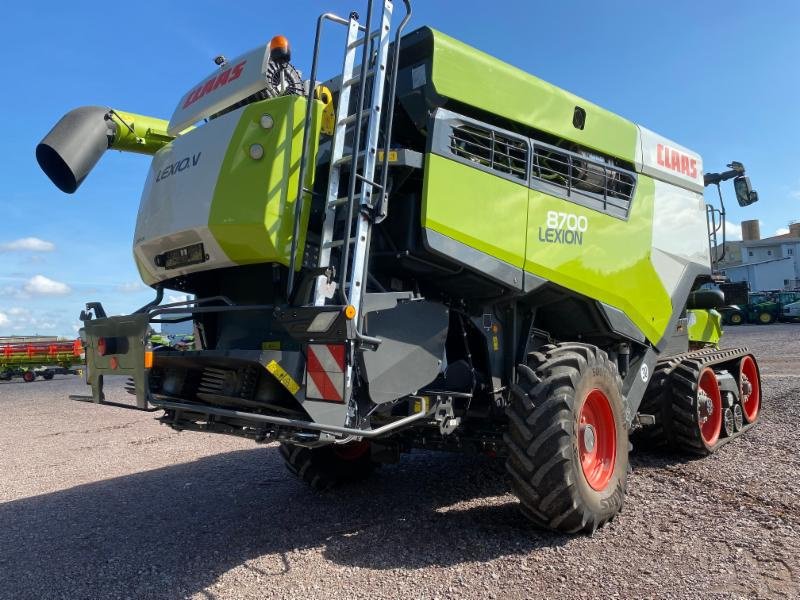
(351, 451)
(597, 435)
(709, 407)
(749, 388)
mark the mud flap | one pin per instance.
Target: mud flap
(410, 356)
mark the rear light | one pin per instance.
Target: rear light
(148, 359)
(322, 322)
(102, 348)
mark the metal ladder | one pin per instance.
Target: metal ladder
(348, 221)
(360, 161)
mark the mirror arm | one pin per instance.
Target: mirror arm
(722, 218)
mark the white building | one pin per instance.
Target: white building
(769, 264)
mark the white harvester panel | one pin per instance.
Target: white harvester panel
(663, 159)
(236, 80)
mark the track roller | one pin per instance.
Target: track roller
(727, 422)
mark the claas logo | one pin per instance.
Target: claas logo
(214, 83)
(679, 162)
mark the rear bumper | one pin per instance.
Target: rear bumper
(259, 394)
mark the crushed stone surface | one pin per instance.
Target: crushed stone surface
(100, 502)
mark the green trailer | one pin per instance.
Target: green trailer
(431, 249)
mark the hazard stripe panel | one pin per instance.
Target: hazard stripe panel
(325, 365)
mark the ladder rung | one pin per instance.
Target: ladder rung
(343, 200)
(359, 41)
(357, 78)
(337, 243)
(347, 158)
(355, 116)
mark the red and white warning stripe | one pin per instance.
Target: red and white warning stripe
(325, 372)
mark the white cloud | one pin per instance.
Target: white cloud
(39, 285)
(781, 231)
(733, 232)
(28, 244)
(23, 320)
(130, 287)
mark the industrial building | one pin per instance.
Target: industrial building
(771, 263)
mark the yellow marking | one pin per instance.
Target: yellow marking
(323, 94)
(273, 345)
(495, 343)
(419, 404)
(282, 376)
(392, 155)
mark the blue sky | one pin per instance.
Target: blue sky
(718, 77)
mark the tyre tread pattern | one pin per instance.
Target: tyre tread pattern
(540, 438)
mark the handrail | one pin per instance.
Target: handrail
(312, 85)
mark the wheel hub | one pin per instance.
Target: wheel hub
(588, 438)
(705, 407)
(597, 440)
(747, 388)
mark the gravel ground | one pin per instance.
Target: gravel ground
(97, 502)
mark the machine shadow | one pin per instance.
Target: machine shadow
(174, 531)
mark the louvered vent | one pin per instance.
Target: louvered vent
(600, 185)
(491, 150)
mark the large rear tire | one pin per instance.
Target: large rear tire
(28, 376)
(568, 438)
(325, 467)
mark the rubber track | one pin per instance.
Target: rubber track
(670, 398)
(540, 438)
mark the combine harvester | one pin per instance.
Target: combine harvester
(30, 358)
(432, 249)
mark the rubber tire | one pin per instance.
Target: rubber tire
(48, 375)
(28, 376)
(770, 318)
(735, 315)
(544, 460)
(323, 468)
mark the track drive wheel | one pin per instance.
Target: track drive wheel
(28, 376)
(696, 419)
(323, 468)
(568, 439)
(749, 388)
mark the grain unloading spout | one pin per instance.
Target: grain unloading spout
(72, 148)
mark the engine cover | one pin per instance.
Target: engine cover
(229, 185)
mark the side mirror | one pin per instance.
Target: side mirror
(745, 195)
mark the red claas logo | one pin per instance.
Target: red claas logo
(212, 84)
(676, 161)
